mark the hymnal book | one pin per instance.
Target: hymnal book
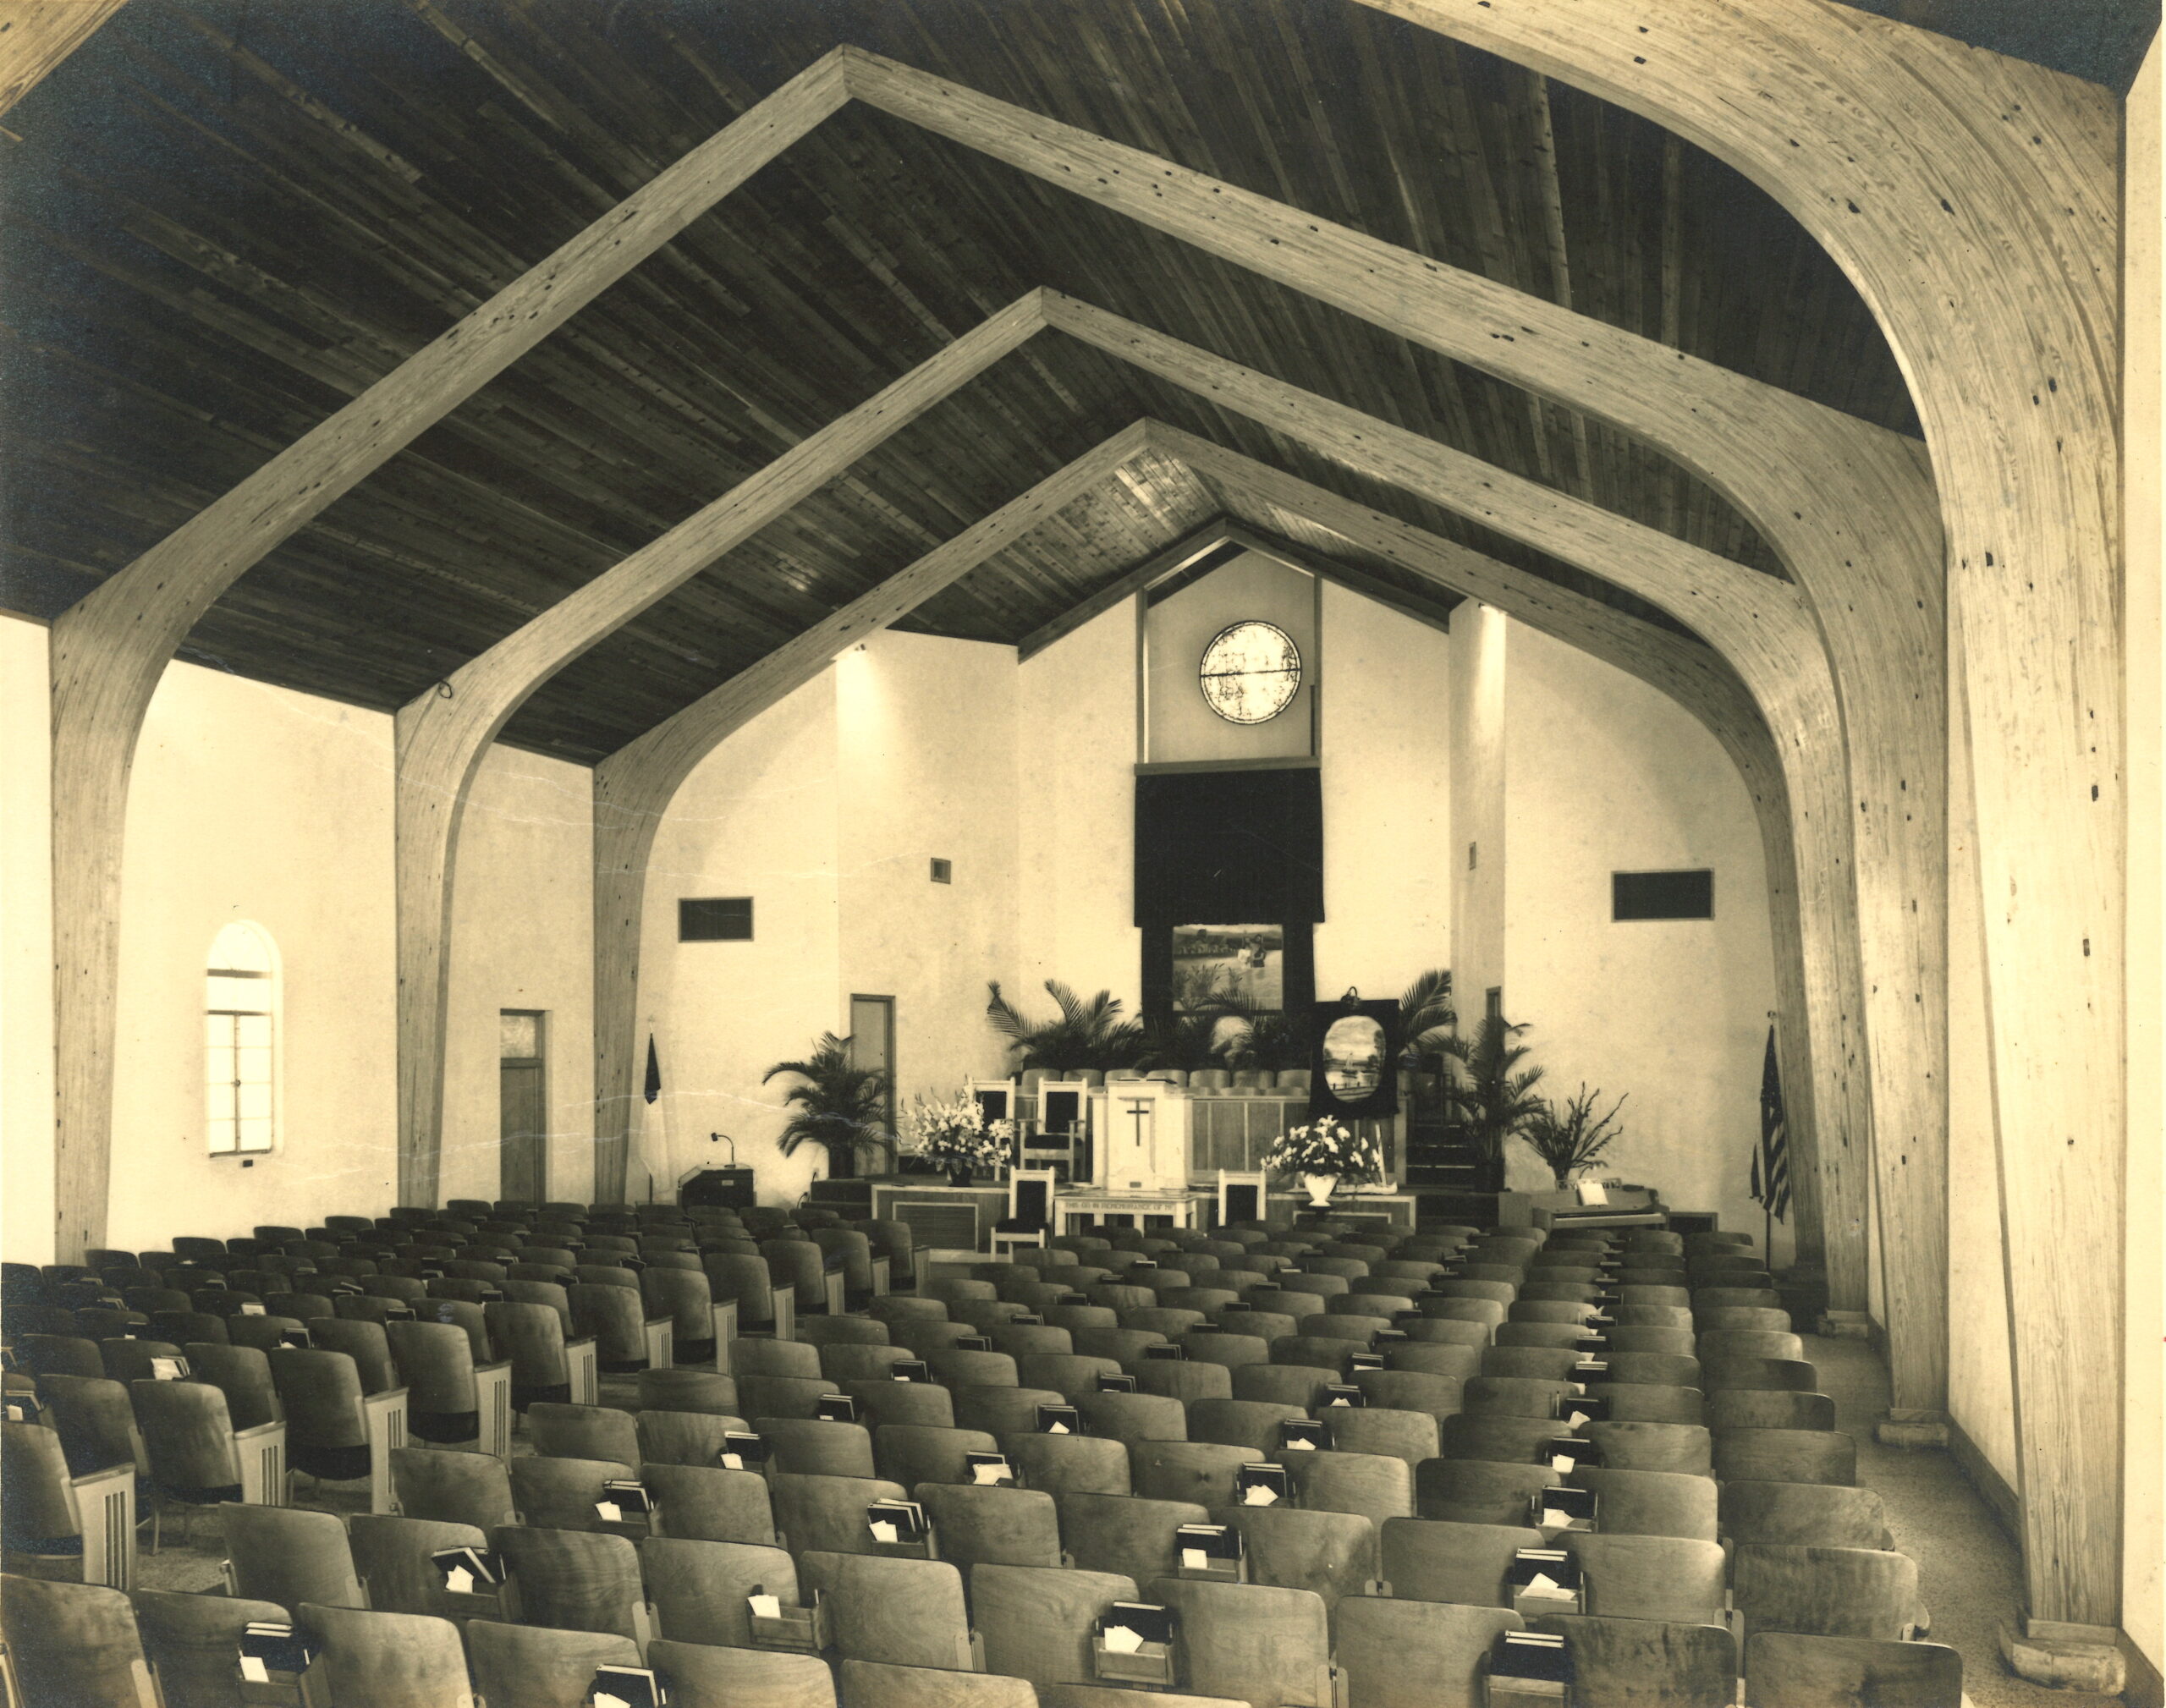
(618, 1686)
(1260, 1485)
(1133, 1642)
(168, 1369)
(1208, 1551)
(1599, 1320)
(1208, 1328)
(1238, 1304)
(741, 1452)
(1574, 1410)
(294, 1337)
(1528, 1669)
(1165, 1352)
(835, 1408)
(1558, 1508)
(1028, 1319)
(1344, 1394)
(248, 1309)
(990, 1470)
(622, 1498)
(1589, 1369)
(1384, 1337)
(1592, 1343)
(1141, 1263)
(1074, 1299)
(1408, 1316)
(974, 1342)
(1060, 1420)
(910, 1369)
(1541, 1581)
(1565, 1454)
(337, 1283)
(268, 1646)
(1365, 1360)
(24, 1409)
(896, 1521)
(1301, 1435)
(1121, 1382)
(467, 1571)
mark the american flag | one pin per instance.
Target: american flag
(1771, 1162)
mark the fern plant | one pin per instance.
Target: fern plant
(1426, 1019)
(1572, 1138)
(836, 1105)
(1489, 1092)
(1084, 1034)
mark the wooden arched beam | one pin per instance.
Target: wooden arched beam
(1762, 626)
(1849, 509)
(444, 734)
(1694, 676)
(1973, 199)
(632, 787)
(110, 648)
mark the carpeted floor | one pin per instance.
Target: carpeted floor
(1972, 1574)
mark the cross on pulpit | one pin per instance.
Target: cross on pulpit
(1141, 1110)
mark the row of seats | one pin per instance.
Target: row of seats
(1422, 1484)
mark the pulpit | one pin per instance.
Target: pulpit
(1142, 1131)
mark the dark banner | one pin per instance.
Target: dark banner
(1354, 1060)
(1229, 845)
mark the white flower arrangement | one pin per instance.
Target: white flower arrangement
(1324, 1146)
(955, 1135)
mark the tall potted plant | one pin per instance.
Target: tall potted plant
(836, 1105)
(1426, 1019)
(1572, 1138)
(1084, 1034)
(1491, 1096)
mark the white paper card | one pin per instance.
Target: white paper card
(610, 1512)
(253, 1669)
(1576, 1419)
(1303, 1447)
(732, 1461)
(459, 1581)
(1552, 1519)
(1561, 1462)
(166, 1369)
(1593, 1192)
(883, 1532)
(1195, 1560)
(988, 1474)
(602, 1699)
(766, 1607)
(1122, 1640)
(1057, 1429)
(1256, 1495)
(251, 1310)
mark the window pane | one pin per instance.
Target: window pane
(241, 948)
(254, 1031)
(221, 1133)
(254, 1068)
(251, 994)
(218, 1069)
(255, 1103)
(255, 1135)
(521, 1035)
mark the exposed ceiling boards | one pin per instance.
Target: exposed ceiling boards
(229, 219)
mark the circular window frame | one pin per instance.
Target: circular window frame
(1205, 675)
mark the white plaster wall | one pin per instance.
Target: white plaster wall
(1387, 798)
(26, 1090)
(757, 818)
(522, 937)
(925, 734)
(1603, 774)
(1478, 673)
(1075, 744)
(249, 802)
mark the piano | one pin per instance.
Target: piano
(1629, 1206)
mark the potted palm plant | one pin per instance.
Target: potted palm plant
(836, 1105)
(1574, 1137)
(1082, 1035)
(1426, 1019)
(1490, 1095)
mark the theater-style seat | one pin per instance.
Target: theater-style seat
(1672, 1665)
(1435, 1560)
(906, 1612)
(1126, 1535)
(1785, 1670)
(1411, 1654)
(711, 1503)
(1266, 1646)
(191, 1641)
(705, 1676)
(1036, 1621)
(698, 1589)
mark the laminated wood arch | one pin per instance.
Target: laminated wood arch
(1973, 199)
(632, 787)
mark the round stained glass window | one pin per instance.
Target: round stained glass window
(1250, 671)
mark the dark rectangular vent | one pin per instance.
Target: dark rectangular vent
(714, 919)
(943, 871)
(1663, 895)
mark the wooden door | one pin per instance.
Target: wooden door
(523, 1104)
(871, 1045)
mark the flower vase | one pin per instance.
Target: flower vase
(1319, 1187)
(959, 1175)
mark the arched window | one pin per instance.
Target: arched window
(240, 1041)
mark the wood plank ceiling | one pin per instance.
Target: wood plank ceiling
(226, 219)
